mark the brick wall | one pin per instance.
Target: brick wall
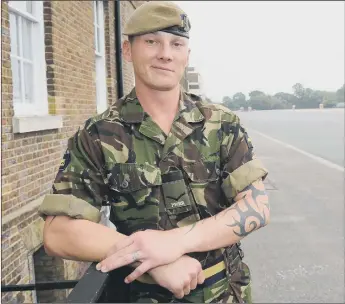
(128, 77)
(110, 51)
(49, 268)
(30, 160)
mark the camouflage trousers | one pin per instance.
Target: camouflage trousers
(239, 291)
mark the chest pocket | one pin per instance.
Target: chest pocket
(178, 206)
(204, 178)
(135, 196)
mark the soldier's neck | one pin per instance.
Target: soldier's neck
(162, 106)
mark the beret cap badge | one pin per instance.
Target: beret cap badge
(185, 24)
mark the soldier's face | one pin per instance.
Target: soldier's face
(159, 59)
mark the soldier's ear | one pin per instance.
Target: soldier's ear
(126, 51)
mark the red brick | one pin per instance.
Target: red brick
(30, 160)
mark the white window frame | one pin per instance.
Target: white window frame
(100, 73)
(39, 103)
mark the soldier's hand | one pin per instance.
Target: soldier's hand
(152, 248)
(179, 277)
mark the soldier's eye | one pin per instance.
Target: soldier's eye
(150, 41)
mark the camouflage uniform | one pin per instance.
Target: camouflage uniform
(121, 158)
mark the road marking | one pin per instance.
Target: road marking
(302, 271)
(312, 156)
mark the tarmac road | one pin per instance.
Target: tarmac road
(320, 132)
(299, 256)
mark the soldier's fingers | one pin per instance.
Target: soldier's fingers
(201, 277)
(119, 259)
(186, 290)
(179, 294)
(194, 283)
(139, 271)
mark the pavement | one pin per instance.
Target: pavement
(299, 256)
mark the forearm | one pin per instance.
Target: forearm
(249, 213)
(81, 240)
(78, 239)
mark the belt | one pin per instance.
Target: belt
(213, 273)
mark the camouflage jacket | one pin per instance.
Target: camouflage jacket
(119, 157)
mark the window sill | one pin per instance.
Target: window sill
(25, 124)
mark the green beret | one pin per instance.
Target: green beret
(156, 16)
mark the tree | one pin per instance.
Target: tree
(340, 94)
(276, 103)
(259, 103)
(303, 98)
(239, 97)
(298, 90)
(286, 98)
(227, 102)
(239, 100)
(256, 93)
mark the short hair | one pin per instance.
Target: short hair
(131, 39)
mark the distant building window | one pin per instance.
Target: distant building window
(28, 58)
(194, 87)
(101, 85)
(193, 77)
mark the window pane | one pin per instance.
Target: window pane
(28, 76)
(96, 39)
(97, 86)
(96, 7)
(99, 15)
(14, 34)
(29, 7)
(15, 66)
(99, 40)
(27, 38)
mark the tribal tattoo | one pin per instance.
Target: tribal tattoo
(251, 209)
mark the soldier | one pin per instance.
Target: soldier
(179, 175)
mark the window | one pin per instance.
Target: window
(193, 77)
(28, 58)
(101, 86)
(194, 87)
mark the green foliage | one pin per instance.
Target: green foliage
(302, 98)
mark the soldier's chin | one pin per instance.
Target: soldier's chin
(163, 86)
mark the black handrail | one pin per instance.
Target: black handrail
(93, 287)
(98, 287)
(90, 287)
(68, 284)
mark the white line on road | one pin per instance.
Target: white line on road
(312, 156)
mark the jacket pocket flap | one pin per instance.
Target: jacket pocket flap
(133, 177)
(202, 172)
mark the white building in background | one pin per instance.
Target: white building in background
(195, 82)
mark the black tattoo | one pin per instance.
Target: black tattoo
(259, 217)
(194, 224)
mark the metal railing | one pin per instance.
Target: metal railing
(40, 286)
(93, 287)
(98, 287)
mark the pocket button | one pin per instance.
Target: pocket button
(124, 184)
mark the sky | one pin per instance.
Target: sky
(268, 46)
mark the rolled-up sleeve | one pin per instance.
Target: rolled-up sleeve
(79, 188)
(240, 167)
